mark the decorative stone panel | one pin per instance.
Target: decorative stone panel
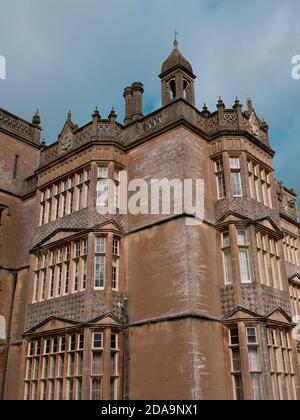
(272, 299)
(245, 207)
(78, 220)
(118, 305)
(249, 297)
(227, 297)
(68, 307)
(98, 219)
(16, 125)
(96, 305)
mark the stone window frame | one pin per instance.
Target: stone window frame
(236, 169)
(47, 379)
(64, 196)
(60, 259)
(220, 177)
(282, 366)
(268, 252)
(260, 182)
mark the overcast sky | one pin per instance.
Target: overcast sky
(75, 54)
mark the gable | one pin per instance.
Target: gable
(59, 236)
(270, 225)
(279, 316)
(52, 324)
(110, 226)
(108, 319)
(240, 313)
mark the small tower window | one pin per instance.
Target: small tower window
(185, 88)
(172, 89)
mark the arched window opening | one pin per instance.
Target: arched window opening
(185, 89)
(172, 87)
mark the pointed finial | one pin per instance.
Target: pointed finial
(96, 113)
(112, 113)
(205, 109)
(220, 102)
(69, 118)
(250, 104)
(176, 43)
(36, 119)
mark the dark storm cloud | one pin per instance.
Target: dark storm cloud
(79, 53)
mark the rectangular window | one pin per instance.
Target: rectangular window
(115, 273)
(220, 179)
(72, 344)
(84, 274)
(102, 192)
(102, 172)
(97, 363)
(236, 183)
(76, 276)
(114, 341)
(226, 248)
(116, 247)
(97, 340)
(52, 282)
(96, 389)
(100, 245)
(99, 271)
(114, 389)
(67, 278)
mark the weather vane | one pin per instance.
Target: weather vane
(175, 39)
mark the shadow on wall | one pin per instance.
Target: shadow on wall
(2, 328)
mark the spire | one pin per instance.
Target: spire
(36, 119)
(176, 43)
(69, 117)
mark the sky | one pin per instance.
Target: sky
(76, 54)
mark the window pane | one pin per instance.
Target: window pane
(242, 237)
(236, 184)
(254, 363)
(244, 266)
(234, 163)
(97, 340)
(251, 336)
(99, 271)
(234, 336)
(228, 266)
(100, 245)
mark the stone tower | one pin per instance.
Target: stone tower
(177, 78)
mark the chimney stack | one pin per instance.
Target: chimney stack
(137, 97)
(128, 105)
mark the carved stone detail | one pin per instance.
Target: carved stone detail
(228, 299)
(249, 297)
(15, 125)
(272, 299)
(68, 307)
(153, 122)
(78, 220)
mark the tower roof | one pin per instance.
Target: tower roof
(176, 59)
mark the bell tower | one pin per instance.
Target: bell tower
(177, 78)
